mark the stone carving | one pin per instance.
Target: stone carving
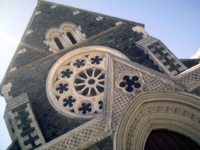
(130, 82)
(78, 85)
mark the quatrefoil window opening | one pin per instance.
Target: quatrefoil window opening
(68, 101)
(85, 108)
(65, 72)
(83, 76)
(79, 63)
(96, 60)
(62, 87)
(130, 82)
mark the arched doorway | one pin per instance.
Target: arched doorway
(174, 111)
(169, 140)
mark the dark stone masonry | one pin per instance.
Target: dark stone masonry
(33, 66)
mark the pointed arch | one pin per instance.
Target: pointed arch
(174, 111)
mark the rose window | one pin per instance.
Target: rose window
(90, 82)
(78, 85)
(130, 82)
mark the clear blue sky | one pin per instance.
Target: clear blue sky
(175, 22)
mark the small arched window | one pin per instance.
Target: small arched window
(58, 43)
(72, 39)
(66, 35)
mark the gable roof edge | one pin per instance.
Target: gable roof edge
(140, 24)
(22, 38)
(163, 77)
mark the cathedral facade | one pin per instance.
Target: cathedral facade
(83, 80)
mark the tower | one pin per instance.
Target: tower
(86, 80)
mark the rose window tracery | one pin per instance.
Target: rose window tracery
(66, 73)
(90, 82)
(76, 82)
(78, 85)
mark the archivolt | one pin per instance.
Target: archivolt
(176, 111)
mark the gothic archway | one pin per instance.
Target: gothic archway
(174, 111)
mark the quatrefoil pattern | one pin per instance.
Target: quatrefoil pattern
(78, 85)
(130, 82)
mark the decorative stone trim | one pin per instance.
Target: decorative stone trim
(17, 101)
(194, 86)
(12, 69)
(27, 132)
(130, 82)
(190, 78)
(174, 111)
(81, 137)
(53, 6)
(23, 122)
(76, 12)
(147, 41)
(140, 29)
(21, 51)
(38, 12)
(5, 90)
(99, 18)
(158, 120)
(29, 32)
(118, 23)
(9, 126)
(161, 56)
(188, 71)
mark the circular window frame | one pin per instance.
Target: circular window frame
(51, 77)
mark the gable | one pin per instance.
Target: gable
(152, 80)
(34, 35)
